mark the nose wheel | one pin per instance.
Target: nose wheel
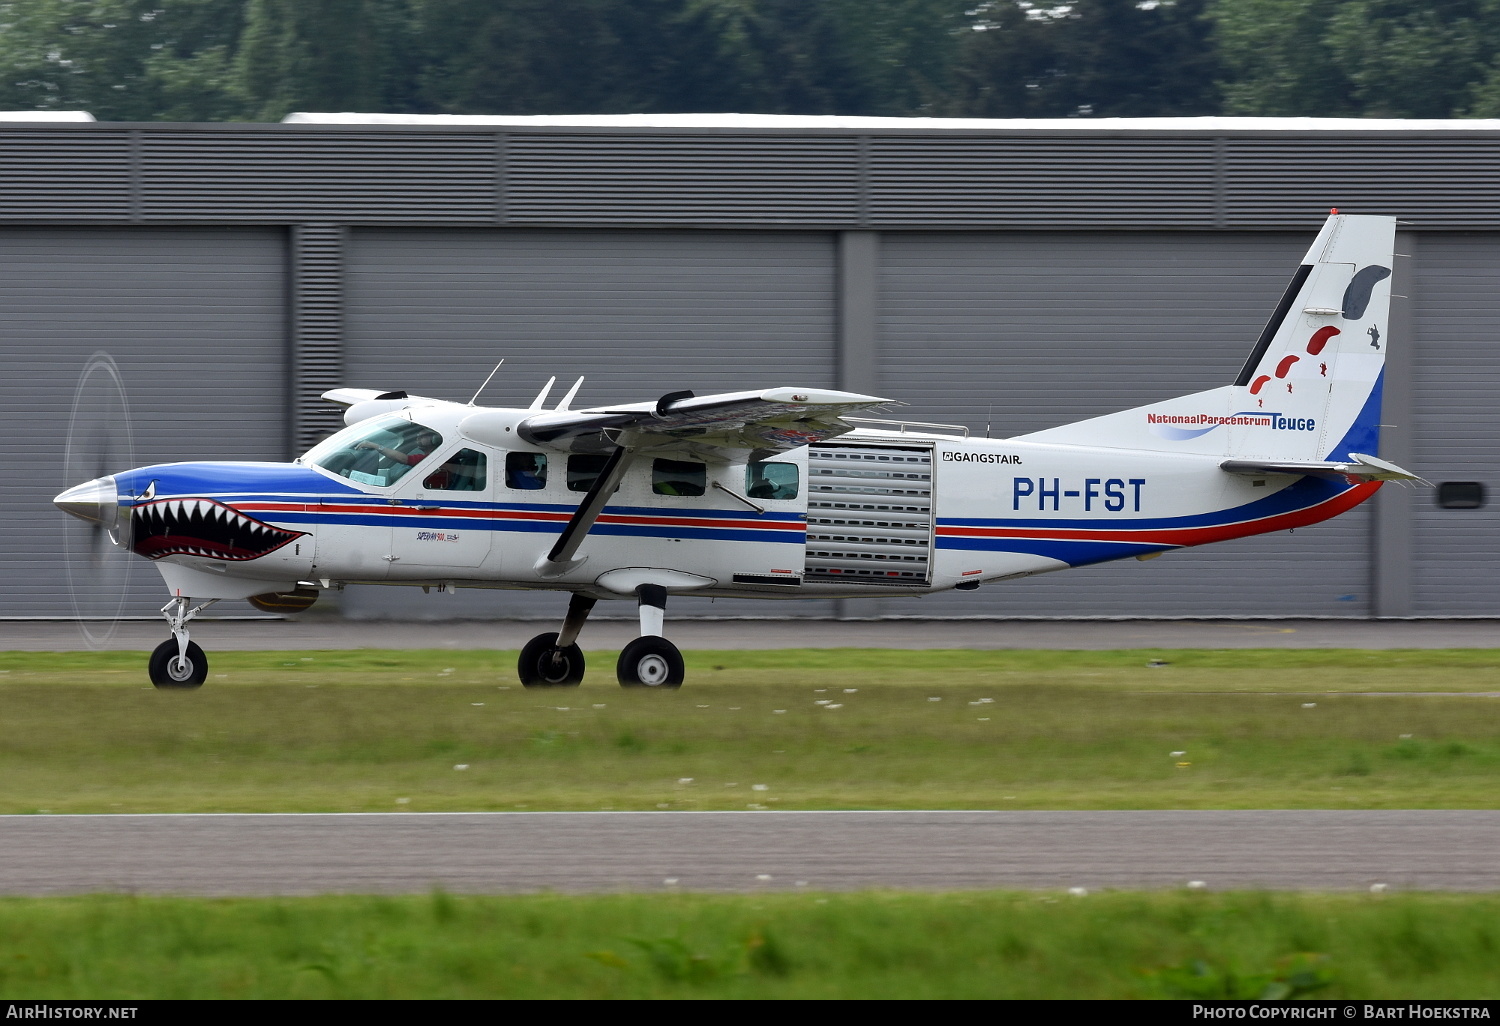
(169, 669)
(178, 662)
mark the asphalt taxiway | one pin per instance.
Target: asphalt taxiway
(333, 633)
(521, 852)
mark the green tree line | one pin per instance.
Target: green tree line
(256, 60)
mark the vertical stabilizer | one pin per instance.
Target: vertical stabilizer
(1310, 389)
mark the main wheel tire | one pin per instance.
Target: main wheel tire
(169, 671)
(544, 665)
(650, 662)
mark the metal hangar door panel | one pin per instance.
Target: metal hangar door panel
(639, 313)
(1030, 330)
(195, 320)
(1457, 401)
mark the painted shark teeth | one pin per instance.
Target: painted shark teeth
(202, 527)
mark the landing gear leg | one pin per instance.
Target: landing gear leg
(178, 662)
(651, 661)
(555, 660)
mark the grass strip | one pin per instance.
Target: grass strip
(980, 944)
(1456, 668)
(444, 731)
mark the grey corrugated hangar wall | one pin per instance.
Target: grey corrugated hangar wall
(1024, 331)
(1015, 278)
(637, 314)
(1456, 385)
(195, 320)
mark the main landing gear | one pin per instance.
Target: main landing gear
(650, 661)
(178, 662)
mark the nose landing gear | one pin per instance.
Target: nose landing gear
(178, 662)
(650, 661)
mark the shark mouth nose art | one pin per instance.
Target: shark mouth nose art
(202, 527)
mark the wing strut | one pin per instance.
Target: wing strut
(559, 560)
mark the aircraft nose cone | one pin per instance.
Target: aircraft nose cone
(93, 501)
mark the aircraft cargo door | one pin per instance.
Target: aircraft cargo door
(869, 515)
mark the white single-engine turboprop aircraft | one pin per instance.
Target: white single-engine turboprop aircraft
(768, 494)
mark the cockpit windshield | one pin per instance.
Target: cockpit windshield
(378, 452)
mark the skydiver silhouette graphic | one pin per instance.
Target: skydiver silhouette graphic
(1374, 334)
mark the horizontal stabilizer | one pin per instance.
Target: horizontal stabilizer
(363, 403)
(350, 396)
(1369, 468)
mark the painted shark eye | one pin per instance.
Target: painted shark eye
(149, 493)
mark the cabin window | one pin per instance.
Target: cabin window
(771, 480)
(584, 470)
(526, 471)
(464, 471)
(678, 477)
(1461, 495)
(380, 454)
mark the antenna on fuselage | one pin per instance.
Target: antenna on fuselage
(541, 397)
(568, 399)
(486, 382)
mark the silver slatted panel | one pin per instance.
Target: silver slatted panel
(869, 515)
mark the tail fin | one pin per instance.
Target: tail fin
(1311, 387)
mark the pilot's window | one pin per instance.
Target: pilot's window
(584, 470)
(526, 470)
(677, 477)
(771, 480)
(464, 471)
(380, 454)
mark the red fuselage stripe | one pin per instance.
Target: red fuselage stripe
(508, 514)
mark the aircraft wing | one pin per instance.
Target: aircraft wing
(712, 427)
(1371, 468)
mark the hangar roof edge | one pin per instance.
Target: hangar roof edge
(837, 122)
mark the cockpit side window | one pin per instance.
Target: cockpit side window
(380, 455)
(464, 471)
(771, 480)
